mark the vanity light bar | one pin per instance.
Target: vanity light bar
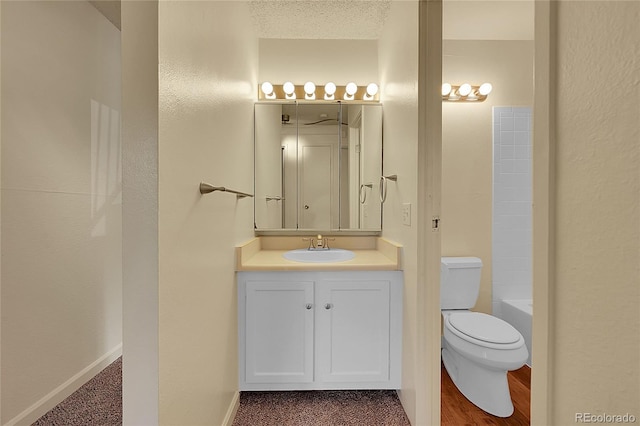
(312, 92)
(465, 92)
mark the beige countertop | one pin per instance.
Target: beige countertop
(371, 254)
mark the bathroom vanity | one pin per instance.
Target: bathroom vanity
(308, 317)
(334, 325)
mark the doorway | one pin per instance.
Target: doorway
(486, 51)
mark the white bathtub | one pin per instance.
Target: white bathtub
(519, 313)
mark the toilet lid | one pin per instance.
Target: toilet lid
(484, 327)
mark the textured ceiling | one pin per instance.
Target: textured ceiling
(358, 20)
(319, 19)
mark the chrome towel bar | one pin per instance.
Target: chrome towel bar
(205, 188)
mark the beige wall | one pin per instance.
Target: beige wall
(319, 61)
(207, 86)
(398, 58)
(61, 211)
(594, 347)
(467, 143)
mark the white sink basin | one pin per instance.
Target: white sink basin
(319, 256)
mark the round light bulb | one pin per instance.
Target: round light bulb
(267, 88)
(330, 88)
(446, 89)
(309, 88)
(351, 88)
(465, 89)
(372, 89)
(288, 88)
(485, 89)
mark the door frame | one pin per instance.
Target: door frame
(429, 197)
(543, 152)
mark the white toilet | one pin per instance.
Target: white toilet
(477, 349)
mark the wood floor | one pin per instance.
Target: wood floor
(456, 410)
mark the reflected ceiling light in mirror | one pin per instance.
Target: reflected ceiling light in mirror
(329, 91)
(267, 89)
(289, 90)
(309, 91)
(465, 92)
(350, 91)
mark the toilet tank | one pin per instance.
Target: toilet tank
(459, 282)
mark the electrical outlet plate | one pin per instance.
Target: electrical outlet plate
(406, 214)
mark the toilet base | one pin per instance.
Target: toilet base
(486, 388)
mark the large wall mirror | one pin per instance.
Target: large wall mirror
(317, 166)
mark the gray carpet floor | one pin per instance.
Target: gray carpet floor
(321, 408)
(99, 403)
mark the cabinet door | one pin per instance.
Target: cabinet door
(279, 332)
(352, 331)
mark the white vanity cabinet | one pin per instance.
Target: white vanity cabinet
(320, 330)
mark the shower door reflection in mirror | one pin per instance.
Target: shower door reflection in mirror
(317, 166)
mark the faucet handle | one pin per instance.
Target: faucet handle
(311, 242)
(326, 242)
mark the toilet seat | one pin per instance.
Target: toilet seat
(484, 330)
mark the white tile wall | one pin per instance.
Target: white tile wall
(512, 186)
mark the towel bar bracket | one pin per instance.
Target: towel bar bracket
(206, 188)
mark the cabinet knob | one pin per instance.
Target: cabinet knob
(308, 306)
(328, 306)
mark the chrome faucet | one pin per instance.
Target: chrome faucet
(319, 243)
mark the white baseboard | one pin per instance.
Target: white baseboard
(232, 410)
(56, 396)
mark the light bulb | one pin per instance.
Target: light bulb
(372, 89)
(289, 88)
(267, 88)
(330, 88)
(309, 88)
(446, 89)
(485, 89)
(351, 88)
(465, 89)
